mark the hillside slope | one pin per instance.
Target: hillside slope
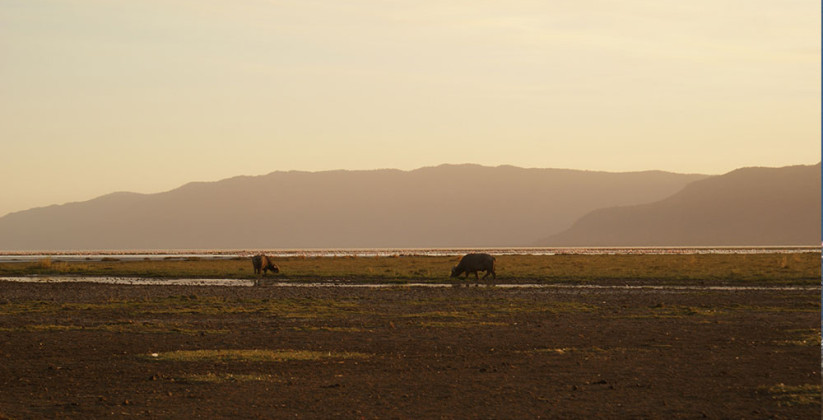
(443, 206)
(750, 206)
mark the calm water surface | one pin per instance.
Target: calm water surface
(24, 256)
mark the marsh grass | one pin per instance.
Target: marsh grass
(477, 310)
(519, 306)
(192, 304)
(461, 324)
(587, 350)
(222, 378)
(801, 268)
(43, 263)
(119, 327)
(253, 355)
(442, 314)
(813, 306)
(672, 311)
(332, 329)
(48, 266)
(682, 311)
(568, 350)
(810, 337)
(287, 308)
(41, 328)
(791, 395)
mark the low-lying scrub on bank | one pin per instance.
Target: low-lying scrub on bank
(776, 268)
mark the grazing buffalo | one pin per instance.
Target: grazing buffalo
(472, 263)
(262, 263)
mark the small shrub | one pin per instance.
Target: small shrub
(44, 263)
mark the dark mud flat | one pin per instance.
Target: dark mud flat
(94, 351)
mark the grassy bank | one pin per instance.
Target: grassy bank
(802, 268)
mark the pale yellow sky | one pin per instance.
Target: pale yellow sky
(98, 96)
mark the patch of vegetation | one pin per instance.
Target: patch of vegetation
(567, 350)
(442, 314)
(288, 308)
(791, 395)
(48, 266)
(592, 350)
(726, 268)
(461, 324)
(810, 337)
(468, 313)
(251, 355)
(222, 378)
(748, 308)
(119, 327)
(661, 311)
(801, 268)
(515, 306)
(41, 327)
(332, 329)
(36, 306)
(479, 310)
(477, 314)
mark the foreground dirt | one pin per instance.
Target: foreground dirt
(91, 351)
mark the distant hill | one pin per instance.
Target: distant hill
(750, 206)
(443, 206)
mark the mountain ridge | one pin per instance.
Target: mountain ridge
(445, 205)
(753, 206)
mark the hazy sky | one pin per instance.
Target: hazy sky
(98, 96)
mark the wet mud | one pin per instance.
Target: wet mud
(86, 350)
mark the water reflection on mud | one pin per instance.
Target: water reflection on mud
(130, 281)
(333, 284)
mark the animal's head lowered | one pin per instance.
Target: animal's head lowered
(455, 271)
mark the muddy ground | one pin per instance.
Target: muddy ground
(94, 351)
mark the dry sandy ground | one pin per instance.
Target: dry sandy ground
(86, 350)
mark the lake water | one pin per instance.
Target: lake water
(24, 256)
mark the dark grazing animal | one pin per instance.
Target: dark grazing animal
(262, 263)
(472, 263)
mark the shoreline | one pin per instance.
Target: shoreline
(159, 254)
